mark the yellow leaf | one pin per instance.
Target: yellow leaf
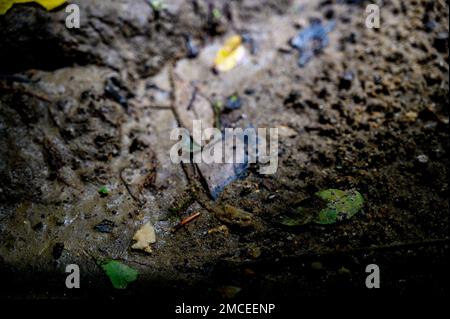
(5, 5)
(230, 54)
(144, 237)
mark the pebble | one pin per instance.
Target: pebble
(236, 217)
(422, 159)
(105, 226)
(441, 42)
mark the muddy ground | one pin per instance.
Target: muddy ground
(83, 108)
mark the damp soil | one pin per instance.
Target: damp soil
(92, 107)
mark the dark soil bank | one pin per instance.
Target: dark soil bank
(91, 107)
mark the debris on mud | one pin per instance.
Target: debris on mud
(185, 221)
(105, 226)
(286, 131)
(326, 207)
(234, 216)
(312, 40)
(191, 47)
(144, 237)
(219, 175)
(120, 274)
(113, 91)
(345, 82)
(230, 55)
(222, 229)
(103, 191)
(233, 102)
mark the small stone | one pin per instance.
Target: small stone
(113, 91)
(286, 131)
(422, 159)
(441, 42)
(144, 237)
(191, 48)
(235, 216)
(105, 226)
(103, 191)
(430, 25)
(254, 252)
(222, 229)
(346, 80)
(411, 116)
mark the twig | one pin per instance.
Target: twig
(185, 221)
(193, 97)
(399, 245)
(128, 187)
(159, 107)
(173, 95)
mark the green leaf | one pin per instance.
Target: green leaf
(157, 5)
(119, 274)
(341, 205)
(103, 190)
(216, 14)
(326, 207)
(331, 194)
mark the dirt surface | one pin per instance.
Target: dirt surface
(83, 108)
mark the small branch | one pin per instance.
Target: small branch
(26, 92)
(185, 221)
(128, 187)
(193, 97)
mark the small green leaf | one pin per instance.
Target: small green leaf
(326, 207)
(157, 5)
(119, 274)
(216, 14)
(341, 205)
(104, 191)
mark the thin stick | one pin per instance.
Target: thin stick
(295, 259)
(127, 187)
(26, 92)
(185, 221)
(193, 97)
